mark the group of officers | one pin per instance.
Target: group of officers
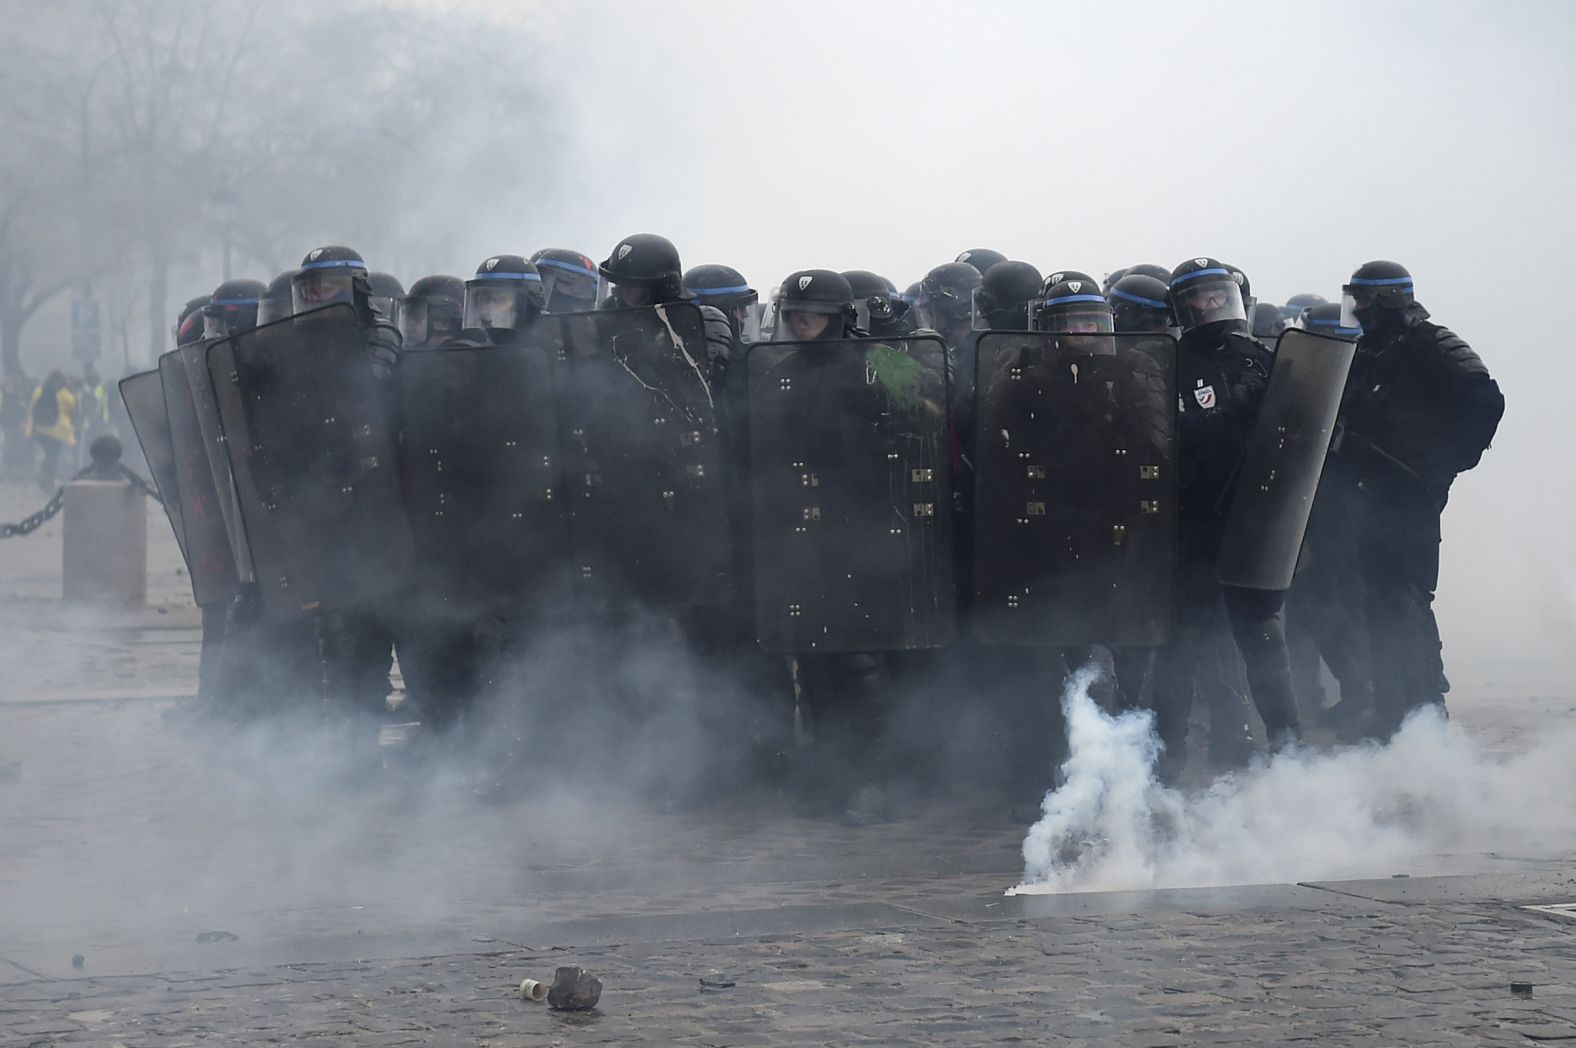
(842, 493)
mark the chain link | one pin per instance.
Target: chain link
(29, 524)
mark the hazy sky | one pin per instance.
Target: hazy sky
(1293, 140)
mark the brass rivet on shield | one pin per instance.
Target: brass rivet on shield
(510, 444)
(1148, 472)
(1149, 505)
(585, 571)
(891, 456)
(547, 494)
(1036, 472)
(809, 480)
(1118, 533)
(785, 384)
(696, 470)
(922, 476)
(793, 611)
(1012, 600)
(1121, 452)
(1016, 373)
(924, 509)
(812, 513)
(1035, 509)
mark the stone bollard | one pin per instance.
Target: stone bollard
(105, 548)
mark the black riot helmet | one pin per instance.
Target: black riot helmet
(275, 303)
(642, 270)
(503, 297)
(726, 288)
(1266, 321)
(812, 293)
(1307, 300)
(1001, 302)
(328, 275)
(1376, 292)
(386, 293)
(1061, 276)
(1204, 291)
(1325, 319)
(1138, 304)
(1112, 277)
(946, 296)
(189, 322)
(1149, 269)
(1072, 307)
(880, 309)
(981, 258)
(569, 280)
(232, 308)
(432, 311)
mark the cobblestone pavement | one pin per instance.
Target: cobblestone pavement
(167, 883)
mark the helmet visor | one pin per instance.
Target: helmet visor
(313, 288)
(491, 306)
(1206, 297)
(747, 319)
(567, 287)
(411, 319)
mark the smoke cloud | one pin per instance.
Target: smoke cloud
(1362, 811)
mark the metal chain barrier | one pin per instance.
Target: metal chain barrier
(31, 523)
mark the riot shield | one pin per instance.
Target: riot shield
(1279, 473)
(143, 395)
(194, 359)
(485, 481)
(851, 495)
(643, 456)
(1075, 484)
(209, 559)
(308, 427)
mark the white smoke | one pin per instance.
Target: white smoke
(1362, 811)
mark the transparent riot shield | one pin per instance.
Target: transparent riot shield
(210, 560)
(143, 395)
(1075, 484)
(1284, 457)
(643, 456)
(308, 426)
(485, 479)
(851, 495)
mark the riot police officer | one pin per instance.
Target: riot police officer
(502, 299)
(725, 288)
(1138, 304)
(1222, 375)
(1074, 307)
(432, 312)
(232, 308)
(644, 270)
(1002, 301)
(1420, 409)
(275, 302)
(882, 311)
(841, 696)
(386, 291)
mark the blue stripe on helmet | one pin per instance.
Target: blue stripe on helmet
(334, 263)
(1213, 271)
(508, 276)
(704, 291)
(570, 266)
(1380, 281)
(1335, 325)
(1139, 299)
(234, 302)
(1072, 298)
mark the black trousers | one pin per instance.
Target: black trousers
(1257, 625)
(1399, 547)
